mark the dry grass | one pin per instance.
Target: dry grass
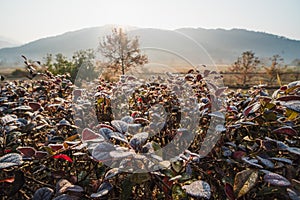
(7, 70)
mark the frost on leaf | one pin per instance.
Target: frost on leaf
(276, 179)
(103, 189)
(198, 189)
(10, 160)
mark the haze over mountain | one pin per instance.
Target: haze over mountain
(197, 46)
(7, 42)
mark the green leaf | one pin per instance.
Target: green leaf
(127, 186)
(291, 115)
(140, 177)
(270, 116)
(270, 106)
(244, 181)
(177, 166)
(291, 89)
(178, 192)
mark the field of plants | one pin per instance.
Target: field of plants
(177, 136)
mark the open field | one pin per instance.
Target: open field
(230, 79)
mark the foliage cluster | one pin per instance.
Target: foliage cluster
(82, 60)
(43, 157)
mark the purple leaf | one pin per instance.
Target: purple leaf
(276, 179)
(111, 173)
(103, 189)
(138, 140)
(287, 130)
(293, 194)
(285, 160)
(294, 150)
(266, 162)
(43, 193)
(120, 126)
(128, 119)
(252, 162)
(229, 191)
(10, 160)
(101, 151)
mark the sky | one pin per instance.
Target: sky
(28, 20)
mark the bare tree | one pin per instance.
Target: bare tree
(276, 68)
(245, 66)
(121, 52)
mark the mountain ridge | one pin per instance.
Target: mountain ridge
(224, 46)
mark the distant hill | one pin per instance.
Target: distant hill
(7, 42)
(200, 46)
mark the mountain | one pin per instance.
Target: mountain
(7, 42)
(181, 46)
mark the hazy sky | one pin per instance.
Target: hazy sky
(27, 20)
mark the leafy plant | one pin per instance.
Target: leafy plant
(48, 150)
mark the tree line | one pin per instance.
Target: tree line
(121, 53)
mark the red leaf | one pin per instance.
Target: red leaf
(34, 105)
(199, 77)
(8, 180)
(63, 156)
(251, 109)
(88, 134)
(190, 71)
(284, 87)
(287, 130)
(105, 126)
(141, 120)
(238, 154)
(7, 151)
(40, 154)
(167, 183)
(56, 147)
(209, 172)
(229, 191)
(289, 98)
(27, 151)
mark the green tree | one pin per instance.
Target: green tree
(62, 64)
(81, 65)
(58, 65)
(121, 52)
(245, 66)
